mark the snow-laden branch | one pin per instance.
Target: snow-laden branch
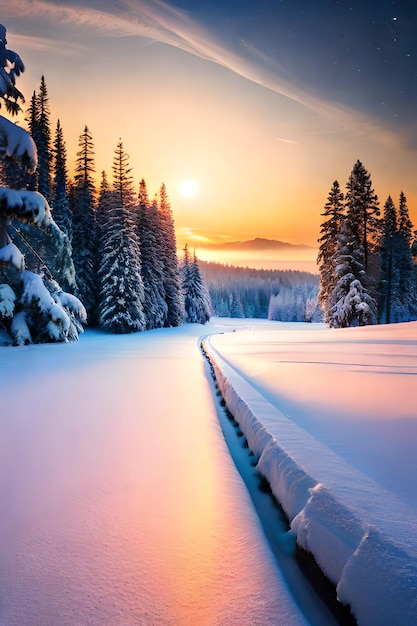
(17, 144)
(7, 301)
(26, 206)
(11, 255)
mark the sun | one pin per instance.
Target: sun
(188, 188)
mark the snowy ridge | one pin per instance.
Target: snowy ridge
(346, 520)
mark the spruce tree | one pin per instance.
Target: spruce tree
(362, 209)
(42, 137)
(405, 225)
(101, 211)
(397, 291)
(196, 297)
(388, 289)
(168, 255)
(154, 304)
(330, 229)
(351, 302)
(121, 288)
(84, 227)
(32, 116)
(60, 201)
(406, 270)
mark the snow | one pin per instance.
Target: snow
(26, 206)
(11, 254)
(7, 300)
(120, 501)
(16, 143)
(72, 304)
(20, 329)
(329, 414)
(33, 288)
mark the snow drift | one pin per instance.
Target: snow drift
(343, 518)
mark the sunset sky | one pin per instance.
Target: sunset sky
(261, 104)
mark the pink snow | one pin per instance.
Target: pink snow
(332, 416)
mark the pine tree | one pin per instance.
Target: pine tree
(407, 288)
(32, 116)
(168, 255)
(33, 307)
(121, 288)
(388, 295)
(351, 302)
(407, 275)
(362, 209)
(397, 291)
(60, 201)
(154, 304)
(42, 137)
(101, 211)
(405, 225)
(330, 229)
(84, 227)
(196, 297)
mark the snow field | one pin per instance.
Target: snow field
(120, 502)
(362, 535)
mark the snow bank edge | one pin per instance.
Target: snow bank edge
(372, 575)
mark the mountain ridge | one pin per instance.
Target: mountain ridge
(257, 244)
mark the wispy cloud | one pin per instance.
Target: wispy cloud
(158, 21)
(285, 140)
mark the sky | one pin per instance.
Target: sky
(261, 105)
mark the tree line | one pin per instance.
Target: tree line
(281, 295)
(367, 274)
(113, 248)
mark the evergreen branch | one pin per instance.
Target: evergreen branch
(33, 251)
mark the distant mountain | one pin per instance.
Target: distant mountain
(258, 244)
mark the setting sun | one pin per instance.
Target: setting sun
(188, 188)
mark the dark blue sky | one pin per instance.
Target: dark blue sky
(360, 54)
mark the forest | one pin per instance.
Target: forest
(281, 295)
(72, 254)
(366, 263)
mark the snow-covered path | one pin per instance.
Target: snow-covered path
(120, 504)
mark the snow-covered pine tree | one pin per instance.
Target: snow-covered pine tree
(57, 251)
(154, 304)
(236, 307)
(330, 229)
(84, 244)
(168, 256)
(196, 297)
(362, 210)
(33, 308)
(121, 295)
(351, 303)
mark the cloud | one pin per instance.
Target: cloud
(158, 21)
(285, 140)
